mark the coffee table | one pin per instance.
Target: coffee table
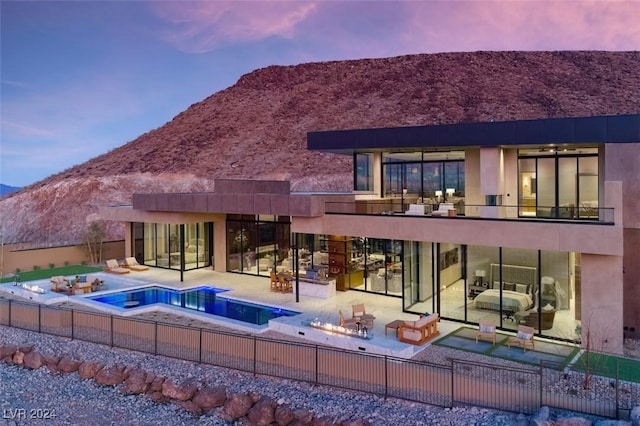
(393, 325)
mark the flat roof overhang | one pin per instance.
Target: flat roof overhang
(576, 130)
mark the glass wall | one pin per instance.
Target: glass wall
(559, 183)
(363, 176)
(173, 246)
(258, 244)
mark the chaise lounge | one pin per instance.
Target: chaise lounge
(133, 264)
(420, 331)
(114, 268)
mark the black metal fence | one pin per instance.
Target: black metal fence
(462, 382)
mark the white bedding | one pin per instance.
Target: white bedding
(511, 300)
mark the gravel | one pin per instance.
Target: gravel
(66, 399)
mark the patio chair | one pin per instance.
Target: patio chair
(486, 330)
(114, 268)
(58, 280)
(275, 284)
(360, 314)
(133, 264)
(347, 323)
(524, 338)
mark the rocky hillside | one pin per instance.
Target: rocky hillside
(257, 128)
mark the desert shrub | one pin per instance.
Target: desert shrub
(66, 263)
(17, 270)
(52, 265)
(36, 267)
(84, 262)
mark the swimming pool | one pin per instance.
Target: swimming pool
(203, 299)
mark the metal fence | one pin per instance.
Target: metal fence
(462, 382)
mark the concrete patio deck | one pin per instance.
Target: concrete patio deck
(257, 289)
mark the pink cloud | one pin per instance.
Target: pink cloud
(523, 25)
(202, 26)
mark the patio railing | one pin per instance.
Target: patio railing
(461, 382)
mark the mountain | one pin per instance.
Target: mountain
(6, 189)
(257, 127)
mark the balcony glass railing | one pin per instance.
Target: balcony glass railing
(395, 206)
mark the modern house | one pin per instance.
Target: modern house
(529, 221)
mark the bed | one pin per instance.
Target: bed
(518, 285)
(511, 300)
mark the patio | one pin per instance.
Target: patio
(256, 289)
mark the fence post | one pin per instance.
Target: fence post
(155, 338)
(452, 381)
(316, 365)
(200, 347)
(617, 389)
(386, 376)
(39, 318)
(73, 320)
(111, 318)
(540, 385)
(10, 313)
(255, 356)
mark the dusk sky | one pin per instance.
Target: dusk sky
(84, 77)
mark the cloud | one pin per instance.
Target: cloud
(522, 25)
(198, 27)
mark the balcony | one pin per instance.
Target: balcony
(396, 207)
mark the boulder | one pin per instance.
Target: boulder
(34, 360)
(52, 364)
(156, 384)
(67, 365)
(7, 351)
(237, 405)
(356, 422)
(88, 370)
(540, 417)
(208, 398)
(283, 415)
(158, 397)
(110, 376)
(25, 349)
(263, 412)
(136, 382)
(191, 407)
(181, 393)
(303, 417)
(18, 358)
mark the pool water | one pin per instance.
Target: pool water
(203, 299)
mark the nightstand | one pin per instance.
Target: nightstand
(475, 290)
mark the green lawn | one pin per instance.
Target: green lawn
(606, 365)
(42, 274)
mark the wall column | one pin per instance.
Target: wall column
(220, 245)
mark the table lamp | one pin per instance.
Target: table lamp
(480, 274)
(438, 195)
(450, 192)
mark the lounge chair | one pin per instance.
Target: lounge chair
(524, 338)
(114, 268)
(82, 284)
(347, 323)
(486, 330)
(360, 314)
(419, 331)
(58, 280)
(133, 264)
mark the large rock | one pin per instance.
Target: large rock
(7, 351)
(88, 370)
(110, 376)
(181, 393)
(284, 415)
(237, 405)
(540, 417)
(68, 365)
(356, 422)
(18, 358)
(191, 407)
(303, 417)
(156, 384)
(208, 398)
(26, 348)
(157, 396)
(34, 360)
(136, 382)
(263, 412)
